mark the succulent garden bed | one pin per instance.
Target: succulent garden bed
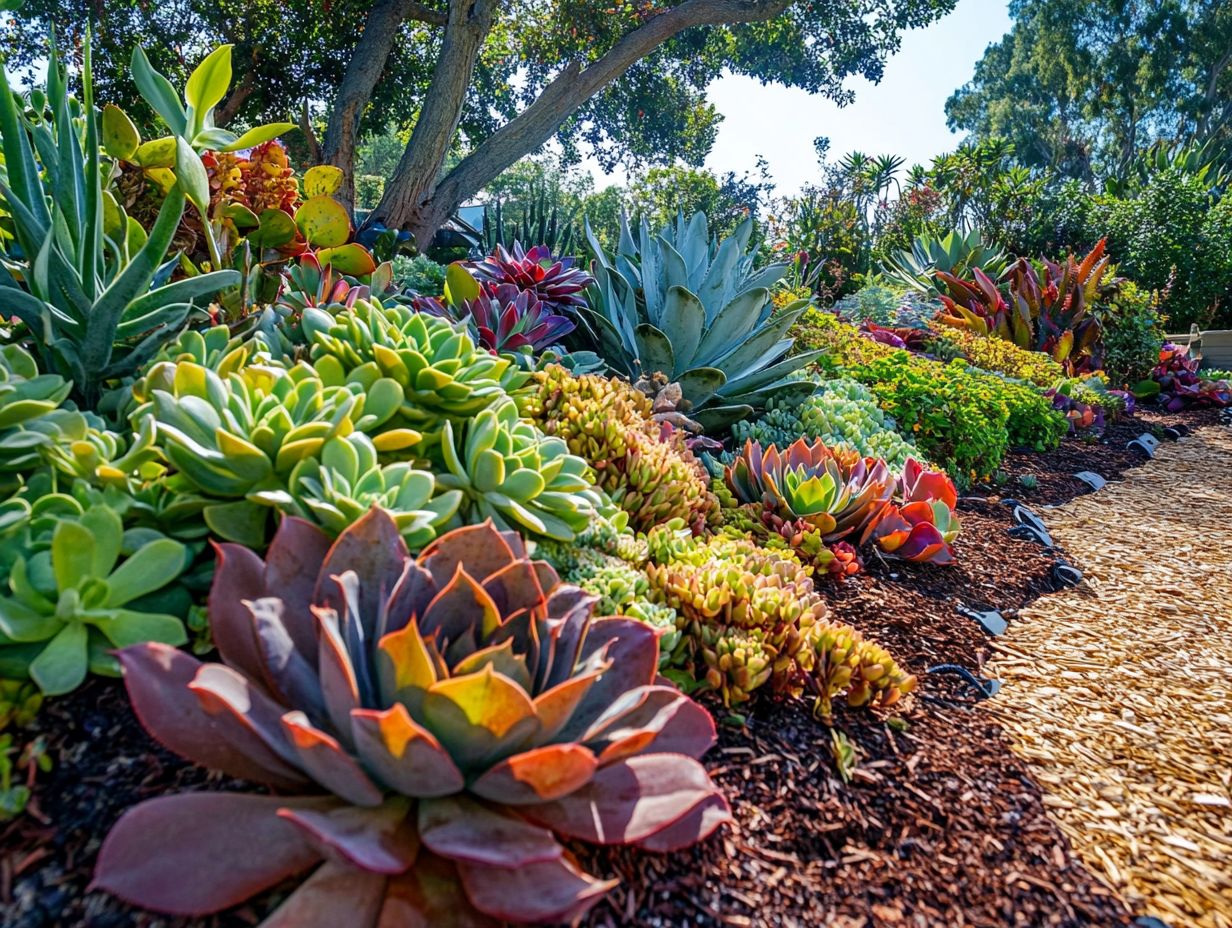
(636, 585)
(938, 819)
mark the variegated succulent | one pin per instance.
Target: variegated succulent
(432, 726)
(31, 417)
(922, 523)
(838, 492)
(555, 282)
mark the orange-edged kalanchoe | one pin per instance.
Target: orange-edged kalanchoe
(432, 727)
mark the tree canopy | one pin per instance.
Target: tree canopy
(488, 80)
(1082, 85)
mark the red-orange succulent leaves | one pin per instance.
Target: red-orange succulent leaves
(430, 727)
(922, 523)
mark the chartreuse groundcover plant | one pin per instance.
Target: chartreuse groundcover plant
(433, 727)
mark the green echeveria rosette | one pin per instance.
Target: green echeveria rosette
(444, 376)
(95, 588)
(509, 471)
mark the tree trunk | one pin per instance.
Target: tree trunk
(365, 68)
(408, 191)
(417, 201)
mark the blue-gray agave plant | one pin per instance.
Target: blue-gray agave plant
(697, 310)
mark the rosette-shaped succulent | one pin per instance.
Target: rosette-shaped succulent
(508, 319)
(30, 416)
(239, 438)
(347, 479)
(71, 603)
(922, 523)
(840, 493)
(510, 472)
(555, 282)
(442, 372)
(647, 471)
(432, 727)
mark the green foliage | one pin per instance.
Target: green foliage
(843, 413)
(954, 253)
(95, 311)
(697, 310)
(960, 419)
(1002, 357)
(1133, 333)
(652, 477)
(1173, 237)
(419, 275)
(369, 188)
(94, 589)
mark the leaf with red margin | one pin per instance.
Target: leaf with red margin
(403, 754)
(633, 649)
(550, 891)
(323, 757)
(198, 853)
(292, 565)
(381, 840)
(697, 825)
(628, 801)
(652, 719)
(480, 548)
(239, 575)
(539, 775)
(430, 896)
(157, 677)
(556, 706)
(462, 829)
(334, 895)
(373, 548)
(461, 605)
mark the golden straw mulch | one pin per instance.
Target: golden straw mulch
(1117, 692)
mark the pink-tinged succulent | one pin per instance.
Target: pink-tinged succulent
(839, 493)
(430, 726)
(556, 282)
(919, 532)
(917, 483)
(507, 319)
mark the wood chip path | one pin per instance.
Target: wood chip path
(1117, 692)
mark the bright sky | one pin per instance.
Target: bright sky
(903, 115)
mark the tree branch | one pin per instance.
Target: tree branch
(570, 89)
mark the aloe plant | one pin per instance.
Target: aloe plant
(697, 310)
(71, 604)
(87, 282)
(433, 728)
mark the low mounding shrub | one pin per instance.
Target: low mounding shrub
(432, 727)
(960, 419)
(1133, 333)
(999, 356)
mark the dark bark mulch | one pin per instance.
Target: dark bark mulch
(939, 824)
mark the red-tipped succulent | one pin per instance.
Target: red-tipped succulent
(839, 493)
(554, 281)
(431, 727)
(507, 319)
(922, 524)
